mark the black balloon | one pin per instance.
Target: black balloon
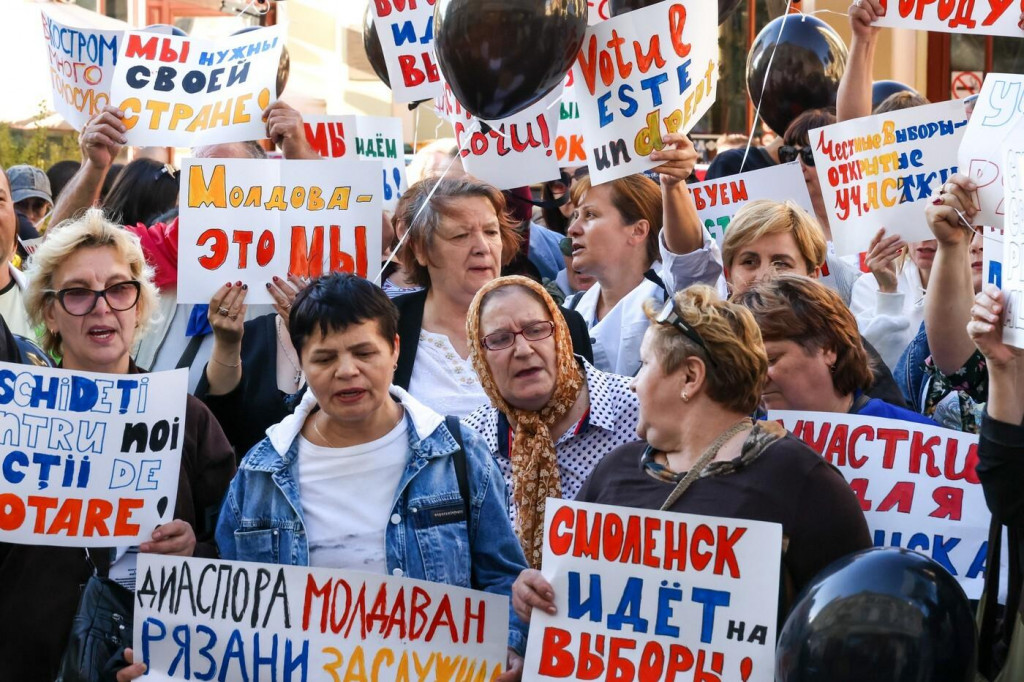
(374, 52)
(501, 56)
(882, 614)
(284, 64)
(880, 91)
(617, 7)
(809, 62)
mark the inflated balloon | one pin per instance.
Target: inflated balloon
(883, 614)
(501, 56)
(284, 64)
(374, 52)
(809, 61)
(881, 90)
(165, 29)
(617, 7)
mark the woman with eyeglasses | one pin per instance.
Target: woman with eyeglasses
(552, 415)
(703, 370)
(93, 292)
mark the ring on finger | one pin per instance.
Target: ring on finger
(222, 311)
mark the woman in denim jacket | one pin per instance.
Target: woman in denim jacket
(362, 476)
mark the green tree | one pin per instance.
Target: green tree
(40, 147)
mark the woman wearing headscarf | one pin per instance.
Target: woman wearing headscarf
(552, 415)
(703, 369)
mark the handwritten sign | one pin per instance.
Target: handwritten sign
(1012, 266)
(570, 148)
(650, 595)
(597, 11)
(998, 109)
(88, 460)
(967, 17)
(515, 151)
(209, 619)
(182, 92)
(406, 30)
(641, 75)
(253, 219)
(878, 171)
(82, 64)
(363, 137)
(719, 200)
(916, 485)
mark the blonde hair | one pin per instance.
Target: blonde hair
(764, 217)
(734, 357)
(91, 230)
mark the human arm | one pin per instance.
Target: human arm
(208, 470)
(227, 318)
(854, 97)
(286, 130)
(530, 591)
(101, 141)
(133, 671)
(947, 307)
(682, 230)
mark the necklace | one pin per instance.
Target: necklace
(297, 379)
(320, 433)
(702, 462)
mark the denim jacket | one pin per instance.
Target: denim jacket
(427, 536)
(910, 374)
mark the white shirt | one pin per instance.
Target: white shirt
(12, 305)
(889, 322)
(442, 380)
(347, 494)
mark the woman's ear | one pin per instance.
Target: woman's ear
(829, 356)
(693, 376)
(639, 231)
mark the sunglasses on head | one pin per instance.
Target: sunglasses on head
(789, 153)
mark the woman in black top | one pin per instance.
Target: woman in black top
(702, 373)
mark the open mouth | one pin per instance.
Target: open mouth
(350, 395)
(527, 373)
(101, 333)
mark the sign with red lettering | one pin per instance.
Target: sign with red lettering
(363, 137)
(570, 148)
(999, 107)
(82, 64)
(916, 485)
(652, 595)
(968, 17)
(640, 76)
(597, 11)
(718, 201)
(878, 171)
(515, 151)
(240, 620)
(1011, 255)
(406, 31)
(186, 92)
(254, 219)
(88, 460)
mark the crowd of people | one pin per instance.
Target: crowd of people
(605, 348)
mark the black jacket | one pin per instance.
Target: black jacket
(410, 323)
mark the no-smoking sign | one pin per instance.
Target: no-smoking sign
(965, 83)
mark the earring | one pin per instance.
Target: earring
(395, 368)
(686, 397)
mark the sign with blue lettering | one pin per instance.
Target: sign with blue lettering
(86, 459)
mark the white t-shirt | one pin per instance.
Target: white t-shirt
(347, 495)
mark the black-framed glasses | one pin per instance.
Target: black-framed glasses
(669, 315)
(531, 332)
(79, 301)
(788, 152)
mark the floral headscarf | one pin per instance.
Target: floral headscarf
(535, 474)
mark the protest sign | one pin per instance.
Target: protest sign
(569, 145)
(597, 11)
(916, 485)
(719, 200)
(250, 220)
(406, 31)
(967, 17)
(209, 619)
(363, 137)
(1012, 264)
(515, 151)
(88, 459)
(82, 64)
(998, 109)
(184, 92)
(651, 595)
(641, 75)
(877, 171)
(992, 255)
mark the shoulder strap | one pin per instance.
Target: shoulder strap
(656, 278)
(574, 300)
(191, 350)
(459, 460)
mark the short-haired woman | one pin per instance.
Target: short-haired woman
(703, 369)
(364, 476)
(816, 360)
